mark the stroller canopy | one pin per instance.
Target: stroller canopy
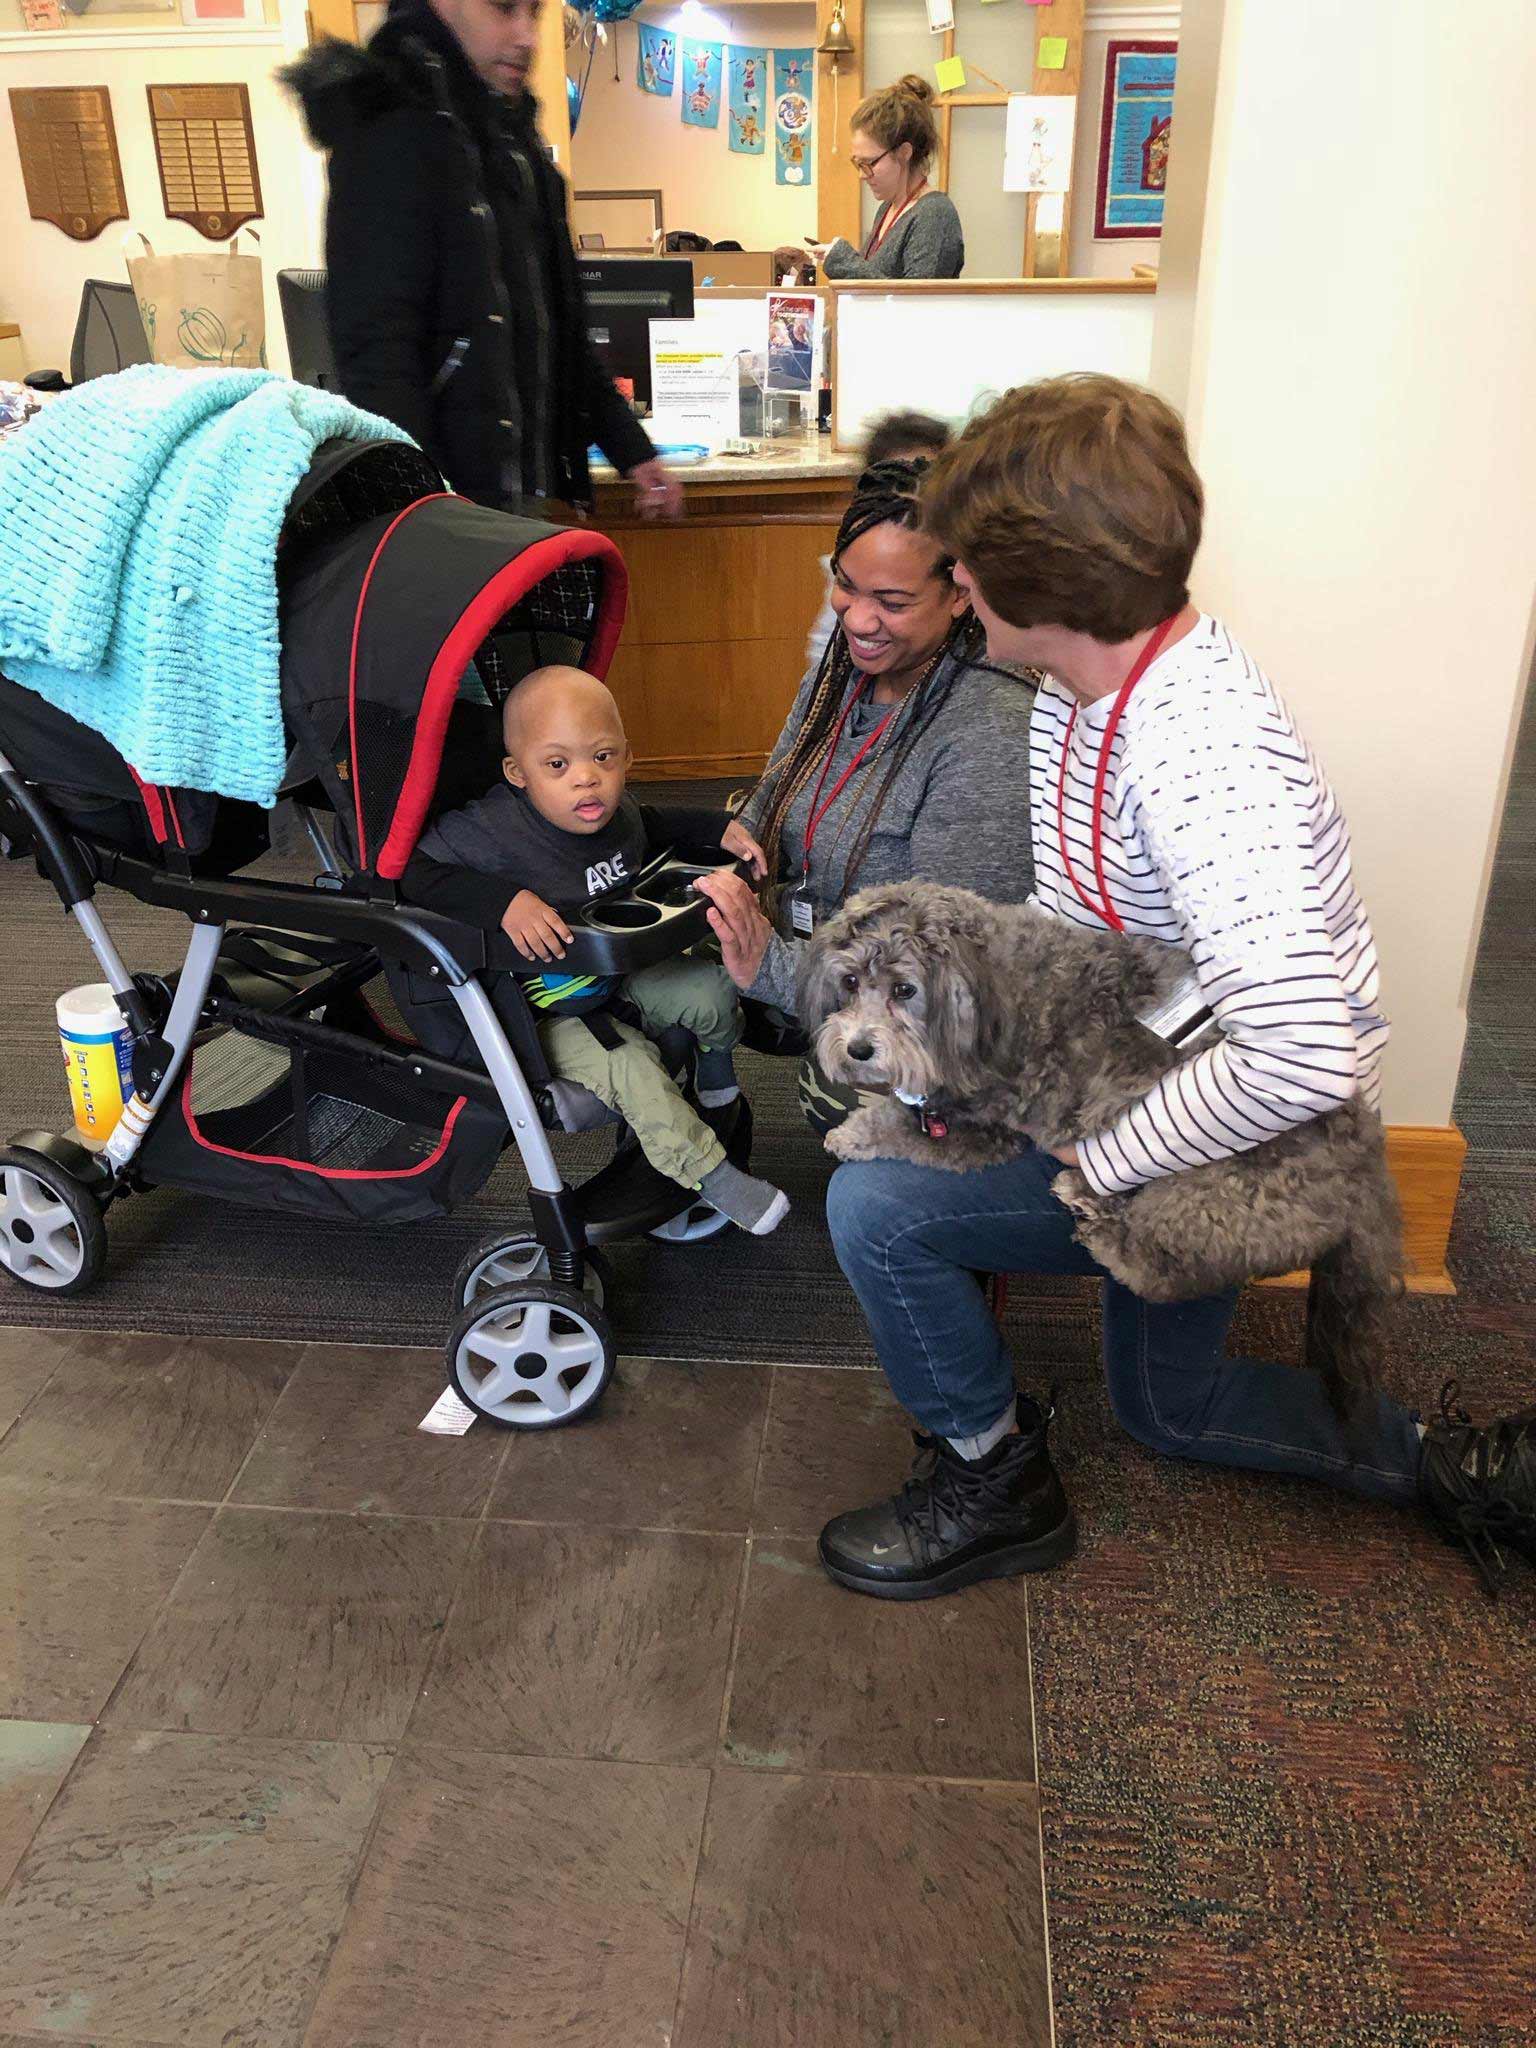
(388, 624)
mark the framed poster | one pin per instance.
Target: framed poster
(1134, 138)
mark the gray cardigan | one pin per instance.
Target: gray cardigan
(927, 242)
(957, 813)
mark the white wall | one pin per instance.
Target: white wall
(1361, 396)
(631, 138)
(42, 269)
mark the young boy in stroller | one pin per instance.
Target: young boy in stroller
(558, 830)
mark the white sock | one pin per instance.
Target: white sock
(973, 1447)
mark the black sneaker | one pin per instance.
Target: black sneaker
(955, 1522)
(1480, 1484)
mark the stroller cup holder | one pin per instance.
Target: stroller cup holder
(660, 914)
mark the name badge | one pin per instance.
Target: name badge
(1181, 1015)
(802, 914)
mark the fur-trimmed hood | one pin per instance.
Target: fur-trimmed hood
(341, 86)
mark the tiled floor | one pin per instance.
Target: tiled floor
(323, 1730)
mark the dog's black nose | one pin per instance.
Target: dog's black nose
(860, 1049)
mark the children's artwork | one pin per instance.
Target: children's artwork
(657, 63)
(793, 72)
(701, 83)
(792, 339)
(1134, 136)
(746, 100)
(1037, 152)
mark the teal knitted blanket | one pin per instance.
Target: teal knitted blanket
(139, 517)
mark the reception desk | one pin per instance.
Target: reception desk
(721, 601)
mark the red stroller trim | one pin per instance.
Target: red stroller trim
(158, 803)
(304, 1165)
(475, 622)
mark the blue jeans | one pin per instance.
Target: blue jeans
(911, 1238)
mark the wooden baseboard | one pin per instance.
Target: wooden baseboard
(1426, 1162)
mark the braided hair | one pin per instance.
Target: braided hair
(886, 495)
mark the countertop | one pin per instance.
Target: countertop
(794, 458)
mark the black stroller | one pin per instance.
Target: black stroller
(266, 1068)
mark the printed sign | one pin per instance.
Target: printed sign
(1134, 140)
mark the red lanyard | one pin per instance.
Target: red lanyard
(819, 809)
(891, 219)
(1103, 908)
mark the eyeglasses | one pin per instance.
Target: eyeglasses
(865, 166)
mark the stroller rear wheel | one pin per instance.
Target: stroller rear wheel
(534, 1355)
(51, 1231)
(504, 1261)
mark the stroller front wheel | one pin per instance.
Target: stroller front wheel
(505, 1261)
(533, 1355)
(52, 1236)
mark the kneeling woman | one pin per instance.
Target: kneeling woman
(1172, 797)
(905, 754)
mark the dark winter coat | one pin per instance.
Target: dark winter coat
(452, 294)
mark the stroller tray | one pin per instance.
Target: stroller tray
(659, 915)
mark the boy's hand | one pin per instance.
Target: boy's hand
(737, 840)
(538, 932)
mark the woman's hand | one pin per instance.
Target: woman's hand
(818, 251)
(538, 932)
(738, 841)
(658, 494)
(1067, 1154)
(738, 923)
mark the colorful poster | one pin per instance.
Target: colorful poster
(657, 63)
(746, 73)
(794, 73)
(1134, 137)
(701, 83)
(793, 338)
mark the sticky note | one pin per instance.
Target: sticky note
(950, 73)
(1051, 53)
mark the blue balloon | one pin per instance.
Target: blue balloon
(573, 102)
(612, 10)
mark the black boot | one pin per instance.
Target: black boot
(955, 1522)
(1480, 1484)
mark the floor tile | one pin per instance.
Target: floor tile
(28, 1359)
(317, 1627)
(345, 1435)
(831, 1912)
(834, 1440)
(160, 1418)
(575, 1939)
(825, 1680)
(186, 1889)
(35, 1757)
(80, 1582)
(672, 1446)
(567, 1642)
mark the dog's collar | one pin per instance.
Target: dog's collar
(931, 1123)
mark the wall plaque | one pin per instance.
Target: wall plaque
(206, 150)
(69, 160)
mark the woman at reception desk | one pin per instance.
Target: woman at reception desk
(917, 231)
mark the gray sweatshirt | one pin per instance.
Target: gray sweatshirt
(957, 813)
(926, 242)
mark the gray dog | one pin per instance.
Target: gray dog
(984, 1027)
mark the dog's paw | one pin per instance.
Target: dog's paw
(843, 1142)
(1071, 1189)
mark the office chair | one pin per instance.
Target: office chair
(301, 294)
(109, 336)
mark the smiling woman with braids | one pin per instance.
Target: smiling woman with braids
(905, 755)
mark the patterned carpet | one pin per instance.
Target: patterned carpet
(1287, 1746)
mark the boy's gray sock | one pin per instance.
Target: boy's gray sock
(714, 1077)
(756, 1205)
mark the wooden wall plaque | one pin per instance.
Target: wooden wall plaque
(69, 160)
(206, 149)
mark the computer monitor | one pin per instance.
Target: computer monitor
(624, 295)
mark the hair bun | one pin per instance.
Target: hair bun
(916, 88)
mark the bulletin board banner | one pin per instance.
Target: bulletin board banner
(746, 74)
(206, 150)
(701, 83)
(69, 162)
(793, 71)
(658, 61)
(1134, 139)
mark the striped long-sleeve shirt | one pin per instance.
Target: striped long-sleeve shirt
(1222, 837)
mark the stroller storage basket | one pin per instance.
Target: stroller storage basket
(292, 1115)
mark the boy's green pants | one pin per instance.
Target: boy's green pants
(693, 992)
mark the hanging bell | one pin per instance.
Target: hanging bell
(836, 42)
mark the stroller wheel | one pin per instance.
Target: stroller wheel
(531, 1356)
(692, 1226)
(51, 1232)
(504, 1261)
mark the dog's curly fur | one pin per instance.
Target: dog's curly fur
(1012, 1026)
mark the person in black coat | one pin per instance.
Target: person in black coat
(452, 296)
